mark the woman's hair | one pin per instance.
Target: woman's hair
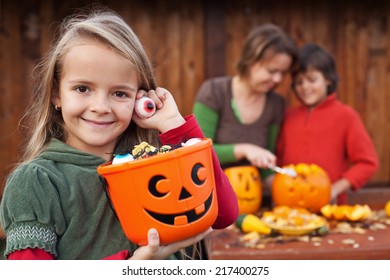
(264, 41)
(104, 26)
(312, 56)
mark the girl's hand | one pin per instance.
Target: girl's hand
(167, 115)
(155, 251)
(256, 155)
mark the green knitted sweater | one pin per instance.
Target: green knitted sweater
(57, 203)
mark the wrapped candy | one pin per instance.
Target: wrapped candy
(121, 158)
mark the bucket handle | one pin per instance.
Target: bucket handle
(105, 189)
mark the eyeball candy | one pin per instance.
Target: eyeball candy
(145, 107)
(122, 158)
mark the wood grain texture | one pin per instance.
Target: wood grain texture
(189, 41)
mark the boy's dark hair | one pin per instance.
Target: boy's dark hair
(312, 56)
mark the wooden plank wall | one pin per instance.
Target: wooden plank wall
(189, 41)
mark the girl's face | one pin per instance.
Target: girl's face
(311, 87)
(267, 74)
(96, 95)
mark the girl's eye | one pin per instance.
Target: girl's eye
(120, 94)
(82, 89)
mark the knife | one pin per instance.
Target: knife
(284, 171)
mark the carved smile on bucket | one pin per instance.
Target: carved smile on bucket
(184, 217)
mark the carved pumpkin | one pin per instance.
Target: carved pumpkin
(172, 192)
(311, 189)
(246, 182)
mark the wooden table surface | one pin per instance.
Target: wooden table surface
(368, 241)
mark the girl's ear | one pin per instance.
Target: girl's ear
(55, 99)
(55, 94)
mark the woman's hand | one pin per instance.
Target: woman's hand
(256, 155)
(167, 115)
(155, 251)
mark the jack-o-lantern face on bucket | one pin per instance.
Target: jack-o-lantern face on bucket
(246, 182)
(172, 192)
(183, 205)
(311, 188)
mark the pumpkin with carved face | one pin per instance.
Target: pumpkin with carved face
(311, 188)
(246, 183)
(172, 192)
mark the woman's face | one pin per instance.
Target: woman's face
(311, 87)
(96, 95)
(267, 73)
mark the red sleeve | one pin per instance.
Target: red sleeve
(227, 199)
(30, 254)
(190, 129)
(121, 255)
(361, 153)
(39, 254)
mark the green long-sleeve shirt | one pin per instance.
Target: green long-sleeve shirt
(57, 203)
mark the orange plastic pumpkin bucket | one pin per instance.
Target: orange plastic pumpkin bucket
(172, 192)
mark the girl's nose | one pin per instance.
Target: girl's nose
(100, 104)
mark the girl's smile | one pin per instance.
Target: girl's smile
(96, 95)
(98, 124)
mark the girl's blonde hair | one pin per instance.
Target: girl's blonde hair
(44, 122)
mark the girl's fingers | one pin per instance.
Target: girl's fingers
(153, 238)
(192, 240)
(161, 94)
(141, 93)
(153, 243)
(158, 96)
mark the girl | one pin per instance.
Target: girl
(54, 206)
(323, 130)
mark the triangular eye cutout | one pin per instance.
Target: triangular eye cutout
(184, 194)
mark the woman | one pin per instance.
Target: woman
(243, 113)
